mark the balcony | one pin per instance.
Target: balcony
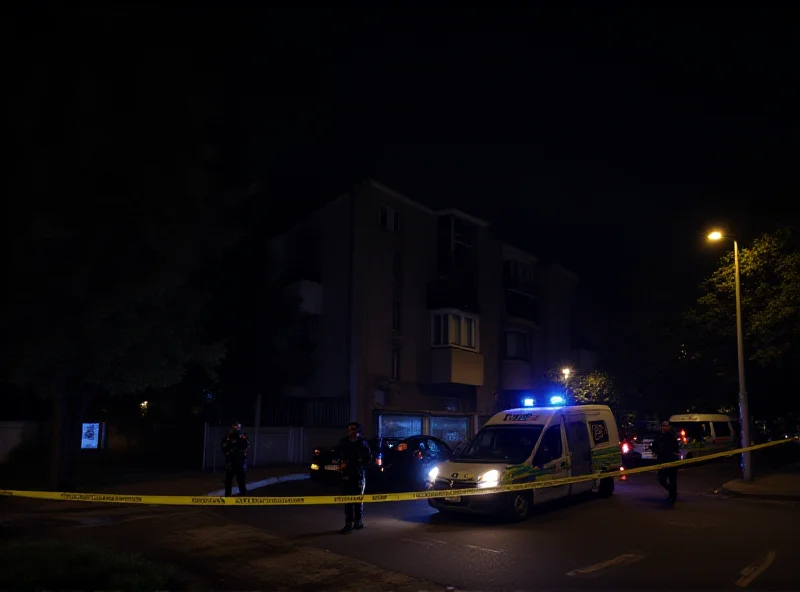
(456, 366)
(459, 293)
(516, 375)
(309, 294)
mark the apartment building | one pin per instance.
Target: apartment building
(423, 321)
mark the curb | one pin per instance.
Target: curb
(760, 496)
(263, 483)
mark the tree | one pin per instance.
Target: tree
(770, 278)
(116, 209)
(587, 387)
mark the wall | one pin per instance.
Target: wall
(13, 434)
(276, 446)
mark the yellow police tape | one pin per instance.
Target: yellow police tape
(184, 500)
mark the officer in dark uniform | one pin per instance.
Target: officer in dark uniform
(355, 455)
(666, 449)
(235, 445)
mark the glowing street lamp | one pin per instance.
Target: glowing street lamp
(744, 413)
(566, 373)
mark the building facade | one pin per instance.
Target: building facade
(423, 322)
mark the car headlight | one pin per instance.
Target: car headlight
(489, 479)
(433, 473)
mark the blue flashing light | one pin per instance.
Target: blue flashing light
(556, 400)
(527, 402)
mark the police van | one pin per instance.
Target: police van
(701, 434)
(531, 444)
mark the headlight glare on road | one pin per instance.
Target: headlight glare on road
(489, 479)
(433, 473)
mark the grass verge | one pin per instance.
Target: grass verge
(64, 565)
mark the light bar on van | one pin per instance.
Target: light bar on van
(527, 402)
(556, 400)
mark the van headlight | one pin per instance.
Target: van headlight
(432, 474)
(489, 479)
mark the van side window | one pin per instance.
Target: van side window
(722, 429)
(551, 447)
(599, 431)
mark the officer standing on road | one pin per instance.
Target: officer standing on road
(665, 448)
(355, 455)
(235, 446)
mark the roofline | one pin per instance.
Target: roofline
(400, 196)
(509, 248)
(564, 271)
(460, 214)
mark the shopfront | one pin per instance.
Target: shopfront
(455, 430)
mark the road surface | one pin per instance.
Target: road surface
(632, 540)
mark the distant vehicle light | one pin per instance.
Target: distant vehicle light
(402, 446)
(314, 467)
(527, 402)
(557, 400)
(433, 473)
(625, 448)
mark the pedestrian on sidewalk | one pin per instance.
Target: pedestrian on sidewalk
(666, 449)
(355, 456)
(235, 445)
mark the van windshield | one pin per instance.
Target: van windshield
(512, 444)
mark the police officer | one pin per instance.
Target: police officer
(235, 445)
(666, 449)
(355, 455)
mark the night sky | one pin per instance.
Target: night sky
(606, 138)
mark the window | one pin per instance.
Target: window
(395, 375)
(469, 333)
(599, 431)
(452, 430)
(551, 448)
(505, 443)
(517, 346)
(399, 426)
(389, 219)
(397, 261)
(456, 333)
(440, 329)
(722, 429)
(396, 316)
(454, 329)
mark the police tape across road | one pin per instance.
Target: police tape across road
(184, 500)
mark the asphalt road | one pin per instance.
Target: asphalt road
(632, 540)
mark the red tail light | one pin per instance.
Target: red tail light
(379, 461)
(418, 454)
(625, 448)
(316, 451)
(402, 446)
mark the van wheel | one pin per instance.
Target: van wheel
(606, 487)
(521, 506)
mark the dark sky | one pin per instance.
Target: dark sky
(605, 138)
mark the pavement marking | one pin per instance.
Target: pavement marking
(431, 542)
(752, 571)
(264, 483)
(624, 559)
(485, 549)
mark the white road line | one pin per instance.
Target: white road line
(752, 571)
(483, 549)
(431, 542)
(624, 559)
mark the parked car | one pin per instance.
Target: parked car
(397, 464)
(636, 447)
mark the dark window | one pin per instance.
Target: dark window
(396, 316)
(517, 346)
(551, 447)
(440, 329)
(396, 265)
(599, 431)
(389, 219)
(722, 429)
(456, 337)
(395, 364)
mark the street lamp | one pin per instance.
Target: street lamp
(744, 414)
(565, 372)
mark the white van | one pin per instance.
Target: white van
(701, 434)
(531, 444)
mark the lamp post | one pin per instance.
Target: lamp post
(744, 412)
(566, 372)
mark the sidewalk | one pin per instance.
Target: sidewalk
(196, 483)
(778, 486)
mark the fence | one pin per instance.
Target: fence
(270, 445)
